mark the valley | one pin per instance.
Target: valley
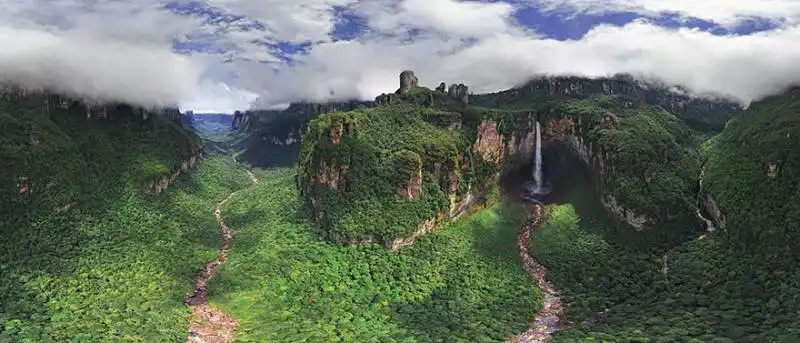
(563, 210)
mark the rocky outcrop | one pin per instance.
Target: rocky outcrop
(442, 88)
(463, 172)
(411, 189)
(569, 130)
(407, 82)
(636, 221)
(424, 228)
(241, 120)
(717, 217)
(292, 139)
(459, 92)
(286, 127)
(332, 173)
(161, 184)
(772, 170)
(489, 143)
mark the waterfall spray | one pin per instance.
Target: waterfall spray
(537, 162)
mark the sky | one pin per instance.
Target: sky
(226, 55)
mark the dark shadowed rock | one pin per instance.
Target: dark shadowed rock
(442, 88)
(459, 92)
(407, 81)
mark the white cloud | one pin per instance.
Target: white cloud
(149, 75)
(288, 20)
(725, 12)
(120, 49)
(210, 97)
(450, 17)
(745, 67)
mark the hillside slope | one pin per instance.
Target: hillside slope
(737, 283)
(93, 249)
(752, 179)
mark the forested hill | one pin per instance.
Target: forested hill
(384, 173)
(84, 213)
(736, 282)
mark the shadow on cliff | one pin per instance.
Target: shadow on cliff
(573, 183)
(261, 153)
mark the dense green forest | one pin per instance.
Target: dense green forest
(91, 253)
(461, 284)
(88, 254)
(737, 284)
(708, 293)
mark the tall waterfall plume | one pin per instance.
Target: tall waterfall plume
(537, 161)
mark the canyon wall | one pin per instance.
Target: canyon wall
(422, 157)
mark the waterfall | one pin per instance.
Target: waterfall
(537, 162)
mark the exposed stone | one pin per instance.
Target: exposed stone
(407, 81)
(22, 185)
(291, 139)
(411, 189)
(423, 228)
(559, 128)
(331, 175)
(638, 222)
(442, 88)
(489, 143)
(337, 130)
(648, 175)
(719, 218)
(608, 121)
(162, 183)
(459, 92)
(240, 120)
(520, 147)
(772, 171)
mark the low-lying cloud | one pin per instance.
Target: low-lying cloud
(741, 67)
(96, 68)
(122, 51)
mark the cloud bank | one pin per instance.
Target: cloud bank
(99, 69)
(220, 55)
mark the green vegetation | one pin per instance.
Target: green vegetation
(651, 162)
(709, 293)
(272, 137)
(461, 284)
(590, 272)
(700, 114)
(116, 265)
(643, 157)
(373, 143)
(761, 209)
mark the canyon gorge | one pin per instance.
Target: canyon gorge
(563, 210)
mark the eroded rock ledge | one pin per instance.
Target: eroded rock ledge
(161, 184)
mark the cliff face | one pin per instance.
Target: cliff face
(284, 127)
(274, 136)
(645, 175)
(161, 184)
